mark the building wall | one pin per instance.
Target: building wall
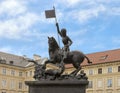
(105, 82)
(12, 78)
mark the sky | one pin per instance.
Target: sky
(92, 25)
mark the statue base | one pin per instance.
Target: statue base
(57, 86)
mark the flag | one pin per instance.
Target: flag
(50, 13)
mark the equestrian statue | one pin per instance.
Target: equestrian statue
(60, 57)
(64, 56)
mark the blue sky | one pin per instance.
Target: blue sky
(93, 25)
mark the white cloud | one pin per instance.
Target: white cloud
(84, 10)
(18, 19)
(17, 51)
(68, 3)
(72, 2)
(75, 3)
(6, 49)
(12, 7)
(17, 27)
(86, 14)
(9, 49)
(114, 11)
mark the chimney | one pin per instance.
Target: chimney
(36, 57)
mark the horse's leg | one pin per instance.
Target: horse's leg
(78, 68)
(74, 73)
(62, 67)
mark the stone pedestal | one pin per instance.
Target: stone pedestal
(57, 86)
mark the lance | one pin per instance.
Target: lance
(52, 14)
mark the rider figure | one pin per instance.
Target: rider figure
(66, 41)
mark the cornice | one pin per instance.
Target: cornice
(102, 64)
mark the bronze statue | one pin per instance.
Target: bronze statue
(41, 73)
(56, 57)
(60, 57)
(65, 39)
(74, 57)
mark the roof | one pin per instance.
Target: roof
(96, 58)
(15, 60)
(102, 57)
(11, 59)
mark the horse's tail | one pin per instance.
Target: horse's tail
(88, 60)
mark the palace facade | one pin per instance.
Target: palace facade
(103, 74)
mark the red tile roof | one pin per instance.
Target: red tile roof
(101, 57)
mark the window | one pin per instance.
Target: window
(20, 74)
(109, 83)
(118, 81)
(103, 57)
(4, 83)
(109, 69)
(20, 85)
(90, 85)
(118, 68)
(11, 62)
(26, 74)
(13, 72)
(12, 84)
(30, 73)
(2, 60)
(100, 71)
(4, 71)
(100, 83)
(90, 72)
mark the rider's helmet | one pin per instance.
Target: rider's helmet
(63, 31)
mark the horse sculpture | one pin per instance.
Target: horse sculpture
(56, 56)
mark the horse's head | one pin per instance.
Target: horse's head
(53, 49)
(52, 42)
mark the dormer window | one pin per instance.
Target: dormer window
(103, 57)
(11, 62)
(2, 60)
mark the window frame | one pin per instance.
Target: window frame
(90, 85)
(109, 83)
(118, 68)
(20, 74)
(4, 71)
(90, 71)
(4, 83)
(99, 70)
(20, 85)
(12, 72)
(110, 70)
